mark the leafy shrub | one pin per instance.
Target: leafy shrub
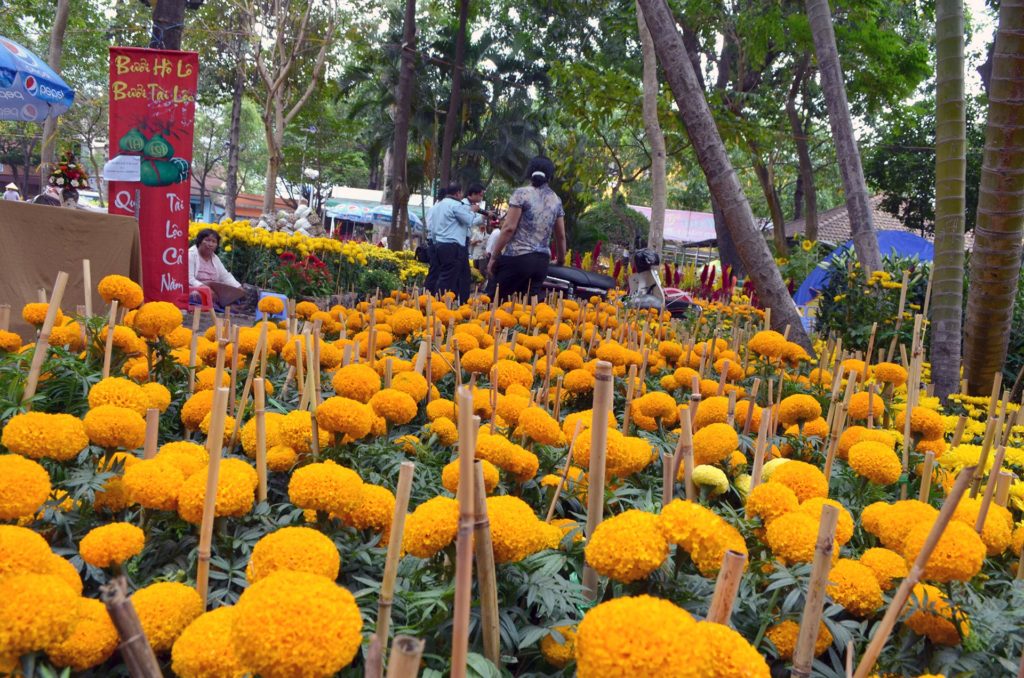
(611, 221)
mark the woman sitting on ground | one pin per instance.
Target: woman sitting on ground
(205, 270)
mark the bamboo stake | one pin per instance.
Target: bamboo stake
(214, 447)
(558, 396)
(810, 621)
(404, 661)
(233, 383)
(684, 453)
(992, 430)
(487, 581)
(598, 447)
(463, 543)
(152, 433)
(750, 407)
(1003, 487)
(899, 315)
(134, 646)
(895, 609)
(243, 401)
(926, 477)
(565, 472)
(958, 434)
(43, 342)
(759, 451)
(871, 344)
(990, 488)
(668, 480)
(628, 409)
(109, 350)
(731, 412)
(387, 586)
(193, 348)
(726, 586)
(259, 407)
(87, 284)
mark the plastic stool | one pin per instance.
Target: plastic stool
(205, 295)
(260, 315)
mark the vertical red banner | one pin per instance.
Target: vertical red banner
(152, 116)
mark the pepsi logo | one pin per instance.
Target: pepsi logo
(31, 85)
(14, 48)
(30, 112)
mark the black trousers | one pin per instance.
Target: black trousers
(519, 275)
(434, 269)
(452, 269)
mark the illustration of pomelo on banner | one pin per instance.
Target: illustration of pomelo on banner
(152, 116)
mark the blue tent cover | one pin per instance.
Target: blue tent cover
(889, 242)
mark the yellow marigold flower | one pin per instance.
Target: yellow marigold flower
(711, 477)
(157, 319)
(658, 405)
(375, 510)
(296, 624)
(196, 408)
(515, 531)
(997, 530)
(713, 443)
(858, 410)
(478, 361)
(792, 536)
(805, 480)
(164, 610)
(281, 458)
(36, 611)
(855, 369)
(305, 309)
(886, 564)
(154, 484)
(820, 376)
(24, 487)
(206, 376)
(923, 422)
(445, 429)
(396, 406)
(844, 526)
(157, 396)
(344, 415)
(890, 373)
(300, 549)
(627, 547)
(408, 443)
(112, 544)
(632, 636)
(295, 430)
(768, 501)
(270, 305)
(855, 434)
(92, 640)
(442, 407)
(700, 532)
(205, 649)
(891, 522)
(767, 343)
(742, 408)
(615, 452)
(431, 527)
(9, 342)
(412, 383)
(958, 556)
(23, 551)
(112, 427)
(783, 636)
(325, 486)
(798, 408)
(450, 476)
(126, 291)
(229, 427)
(933, 616)
(559, 647)
(236, 487)
(712, 410)
(35, 314)
(876, 462)
(187, 457)
(37, 435)
(855, 587)
(538, 425)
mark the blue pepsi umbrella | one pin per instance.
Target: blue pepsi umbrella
(350, 212)
(29, 89)
(382, 214)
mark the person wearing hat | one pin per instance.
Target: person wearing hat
(521, 255)
(11, 192)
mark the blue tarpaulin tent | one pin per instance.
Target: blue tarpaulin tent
(889, 242)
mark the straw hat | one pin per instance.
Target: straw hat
(11, 186)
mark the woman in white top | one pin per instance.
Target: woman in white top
(206, 270)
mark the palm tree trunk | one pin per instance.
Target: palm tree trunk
(721, 177)
(451, 119)
(53, 57)
(655, 138)
(996, 259)
(808, 191)
(235, 133)
(403, 110)
(950, 189)
(857, 204)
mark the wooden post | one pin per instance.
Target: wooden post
(387, 587)
(990, 489)
(750, 407)
(214, 447)
(760, 449)
(926, 476)
(87, 284)
(134, 646)
(260, 412)
(603, 386)
(404, 661)
(958, 434)
(463, 543)
(728, 583)
(895, 609)
(233, 381)
(487, 581)
(628, 408)
(1003, 487)
(565, 472)
(152, 433)
(249, 378)
(684, 456)
(810, 621)
(43, 342)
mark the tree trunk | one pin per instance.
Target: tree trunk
(274, 159)
(727, 253)
(950, 189)
(655, 138)
(451, 119)
(996, 258)
(53, 57)
(721, 177)
(806, 198)
(403, 104)
(765, 177)
(168, 22)
(857, 203)
(231, 188)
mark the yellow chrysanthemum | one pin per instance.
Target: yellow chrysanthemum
(157, 319)
(114, 427)
(205, 649)
(431, 527)
(299, 549)
(154, 483)
(702, 533)
(325, 486)
(632, 636)
(627, 547)
(36, 611)
(164, 610)
(92, 641)
(24, 487)
(110, 545)
(126, 291)
(958, 556)
(855, 587)
(236, 487)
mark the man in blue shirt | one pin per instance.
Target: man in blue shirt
(451, 223)
(432, 272)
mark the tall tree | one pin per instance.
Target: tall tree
(654, 135)
(451, 118)
(721, 177)
(168, 23)
(996, 258)
(291, 58)
(857, 200)
(403, 110)
(800, 131)
(53, 57)
(950, 196)
(235, 127)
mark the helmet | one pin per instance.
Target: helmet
(645, 259)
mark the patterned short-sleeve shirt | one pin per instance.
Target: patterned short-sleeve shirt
(541, 208)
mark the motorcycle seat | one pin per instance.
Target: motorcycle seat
(581, 278)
